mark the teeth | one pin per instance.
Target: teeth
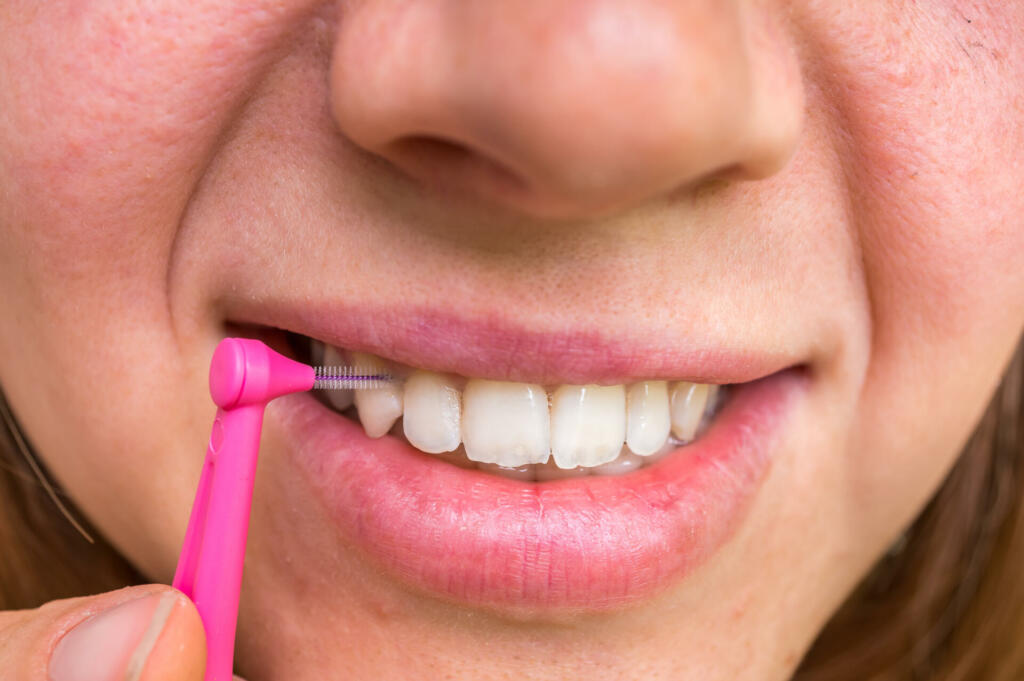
(515, 430)
(688, 402)
(648, 418)
(379, 408)
(505, 423)
(588, 424)
(433, 412)
(339, 399)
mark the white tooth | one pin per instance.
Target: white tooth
(378, 407)
(688, 400)
(339, 399)
(625, 462)
(648, 419)
(588, 424)
(433, 412)
(505, 423)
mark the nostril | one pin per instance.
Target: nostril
(428, 145)
(446, 162)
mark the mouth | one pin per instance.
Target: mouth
(533, 497)
(523, 431)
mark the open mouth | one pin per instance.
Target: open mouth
(474, 479)
(524, 431)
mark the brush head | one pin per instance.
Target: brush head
(349, 378)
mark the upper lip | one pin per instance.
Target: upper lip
(501, 348)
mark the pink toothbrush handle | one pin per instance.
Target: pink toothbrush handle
(225, 494)
(244, 376)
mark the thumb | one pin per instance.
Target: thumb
(144, 633)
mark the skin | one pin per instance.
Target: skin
(849, 183)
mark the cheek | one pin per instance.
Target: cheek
(99, 161)
(939, 217)
(105, 125)
(937, 125)
(932, 109)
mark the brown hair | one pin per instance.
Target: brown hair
(946, 603)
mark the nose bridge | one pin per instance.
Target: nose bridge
(570, 107)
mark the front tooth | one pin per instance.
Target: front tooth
(505, 423)
(688, 400)
(648, 419)
(379, 408)
(339, 399)
(433, 412)
(588, 424)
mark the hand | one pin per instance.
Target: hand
(141, 633)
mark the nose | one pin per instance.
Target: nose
(568, 108)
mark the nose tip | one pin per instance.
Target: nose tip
(564, 108)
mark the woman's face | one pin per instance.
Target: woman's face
(548, 193)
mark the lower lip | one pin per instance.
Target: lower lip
(581, 544)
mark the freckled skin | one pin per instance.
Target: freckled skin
(844, 190)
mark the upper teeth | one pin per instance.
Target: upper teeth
(505, 423)
(588, 424)
(648, 418)
(379, 408)
(433, 412)
(516, 424)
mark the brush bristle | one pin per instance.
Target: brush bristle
(349, 378)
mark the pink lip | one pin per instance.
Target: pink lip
(585, 544)
(515, 350)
